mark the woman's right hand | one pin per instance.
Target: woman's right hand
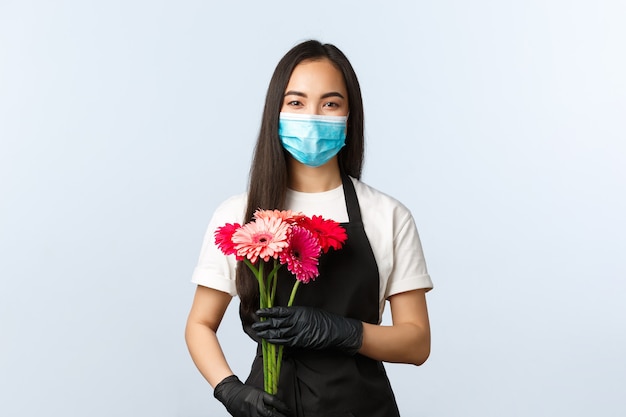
(243, 400)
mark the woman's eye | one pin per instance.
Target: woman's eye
(294, 103)
(331, 104)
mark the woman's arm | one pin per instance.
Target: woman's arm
(206, 313)
(408, 339)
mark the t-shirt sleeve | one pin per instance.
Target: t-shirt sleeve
(214, 269)
(409, 271)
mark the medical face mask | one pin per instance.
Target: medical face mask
(312, 139)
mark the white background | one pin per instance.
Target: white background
(500, 124)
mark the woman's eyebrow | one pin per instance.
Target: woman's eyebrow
(294, 93)
(332, 94)
(301, 94)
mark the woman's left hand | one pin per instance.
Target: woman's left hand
(308, 327)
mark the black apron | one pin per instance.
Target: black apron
(327, 383)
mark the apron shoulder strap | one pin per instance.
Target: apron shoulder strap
(352, 202)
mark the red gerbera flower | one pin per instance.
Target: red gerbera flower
(329, 233)
(223, 238)
(263, 238)
(302, 255)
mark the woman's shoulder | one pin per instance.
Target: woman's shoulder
(234, 201)
(231, 210)
(375, 199)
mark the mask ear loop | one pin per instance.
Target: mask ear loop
(342, 171)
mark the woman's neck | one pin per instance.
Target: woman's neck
(308, 179)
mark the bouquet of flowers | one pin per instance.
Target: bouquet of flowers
(285, 238)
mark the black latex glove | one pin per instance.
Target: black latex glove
(308, 327)
(243, 400)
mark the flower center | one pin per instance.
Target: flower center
(264, 239)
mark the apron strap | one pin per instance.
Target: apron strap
(352, 202)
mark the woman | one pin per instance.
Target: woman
(334, 344)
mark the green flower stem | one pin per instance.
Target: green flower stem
(262, 286)
(276, 371)
(273, 377)
(272, 357)
(293, 293)
(273, 278)
(265, 365)
(250, 265)
(263, 302)
(279, 359)
(268, 377)
(258, 273)
(273, 369)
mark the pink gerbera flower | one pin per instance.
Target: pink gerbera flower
(287, 216)
(263, 238)
(329, 233)
(302, 255)
(223, 238)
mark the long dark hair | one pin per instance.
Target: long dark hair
(268, 173)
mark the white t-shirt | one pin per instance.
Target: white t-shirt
(388, 224)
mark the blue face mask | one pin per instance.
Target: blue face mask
(312, 139)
